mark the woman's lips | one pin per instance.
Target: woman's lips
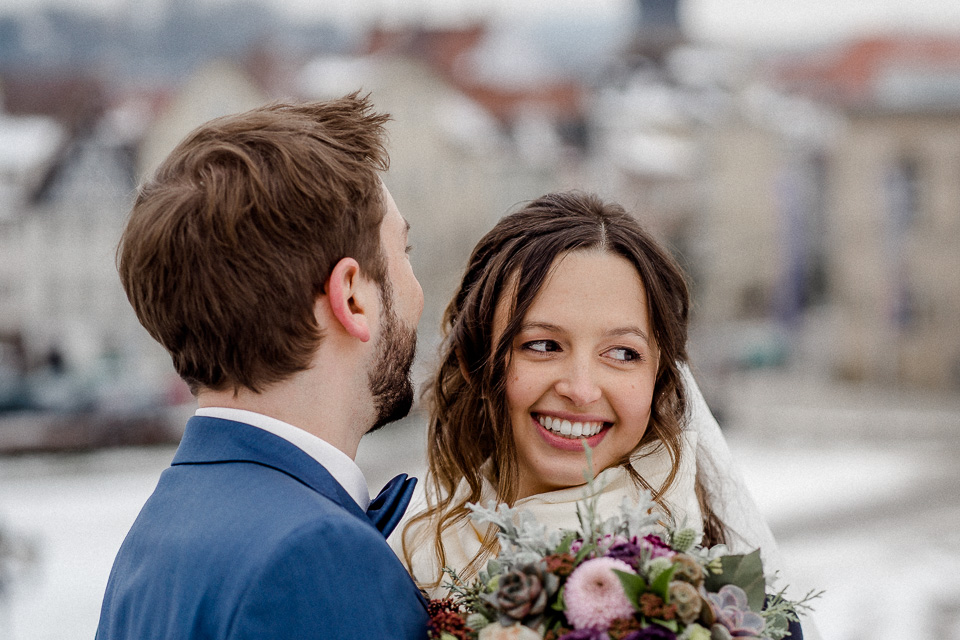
(568, 444)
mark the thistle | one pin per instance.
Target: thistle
(684, 539)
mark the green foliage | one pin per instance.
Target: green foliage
(661, 584)
(744, 571)
(780, 611)
(633, 586)
(566, 541)
(673, 625)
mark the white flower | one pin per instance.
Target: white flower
(495, 631)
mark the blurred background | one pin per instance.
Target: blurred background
(801, 159)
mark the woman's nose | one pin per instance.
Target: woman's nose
(578, 384)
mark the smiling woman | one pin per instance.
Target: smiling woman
(581, 367)
(569, 329)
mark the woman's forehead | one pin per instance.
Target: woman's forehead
(575, 279)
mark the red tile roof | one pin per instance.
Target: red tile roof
(851, 75)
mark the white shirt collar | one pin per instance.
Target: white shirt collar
(343, 469)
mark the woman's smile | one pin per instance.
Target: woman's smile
(582, 371)
(570, 435)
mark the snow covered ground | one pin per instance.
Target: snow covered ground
(873, 520)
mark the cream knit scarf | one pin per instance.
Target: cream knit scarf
(557, 509)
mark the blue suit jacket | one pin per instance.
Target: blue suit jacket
(246, 536)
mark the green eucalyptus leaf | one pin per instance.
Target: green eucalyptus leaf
(744, 571)
(661, 584)
(633, 586)
(585, 550)
(559, 604)
(669, 624)
(776, 624)
(566, 542)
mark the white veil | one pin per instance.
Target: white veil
(747, 529)
(730, 497)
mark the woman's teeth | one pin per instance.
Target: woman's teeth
(570, 429)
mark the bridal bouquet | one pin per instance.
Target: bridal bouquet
(623, 578)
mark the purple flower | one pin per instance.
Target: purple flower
(604, 543)
(657, 547)
(628, 552)
(651, 632)
(733, 612)
(590, 633)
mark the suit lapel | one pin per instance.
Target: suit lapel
(212, 440)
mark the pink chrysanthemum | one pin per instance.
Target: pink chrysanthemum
(594, 596)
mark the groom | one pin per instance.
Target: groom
(270, 261)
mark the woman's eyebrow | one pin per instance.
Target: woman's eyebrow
(613, 333)
(546, 326)
(627, 331)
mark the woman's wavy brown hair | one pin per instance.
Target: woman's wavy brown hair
(469, 419)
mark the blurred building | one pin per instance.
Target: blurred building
(658, 31)
(646, 126)
(461, 150)
(680, 134)
(68, 336)
(82, 340)
(28, 146)
(893, 200)
(831, 221)
(216, 88)
(762, 247)
(646, 152)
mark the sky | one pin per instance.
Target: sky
(748, 23)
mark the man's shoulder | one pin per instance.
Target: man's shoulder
(253, 494)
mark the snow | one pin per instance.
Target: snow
(795, 487)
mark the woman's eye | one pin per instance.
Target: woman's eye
(624, 354)
(541, 346)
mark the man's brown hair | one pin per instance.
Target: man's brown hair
(229, 244)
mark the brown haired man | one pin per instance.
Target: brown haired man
(267, 257)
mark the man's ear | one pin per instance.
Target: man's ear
(350, 294)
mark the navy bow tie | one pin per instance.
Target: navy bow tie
(386, 510)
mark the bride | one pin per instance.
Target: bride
(570, 325)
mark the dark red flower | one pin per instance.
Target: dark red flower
(445, 618)
(622, 627)
(560, 564)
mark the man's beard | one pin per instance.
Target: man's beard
(390, 381)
